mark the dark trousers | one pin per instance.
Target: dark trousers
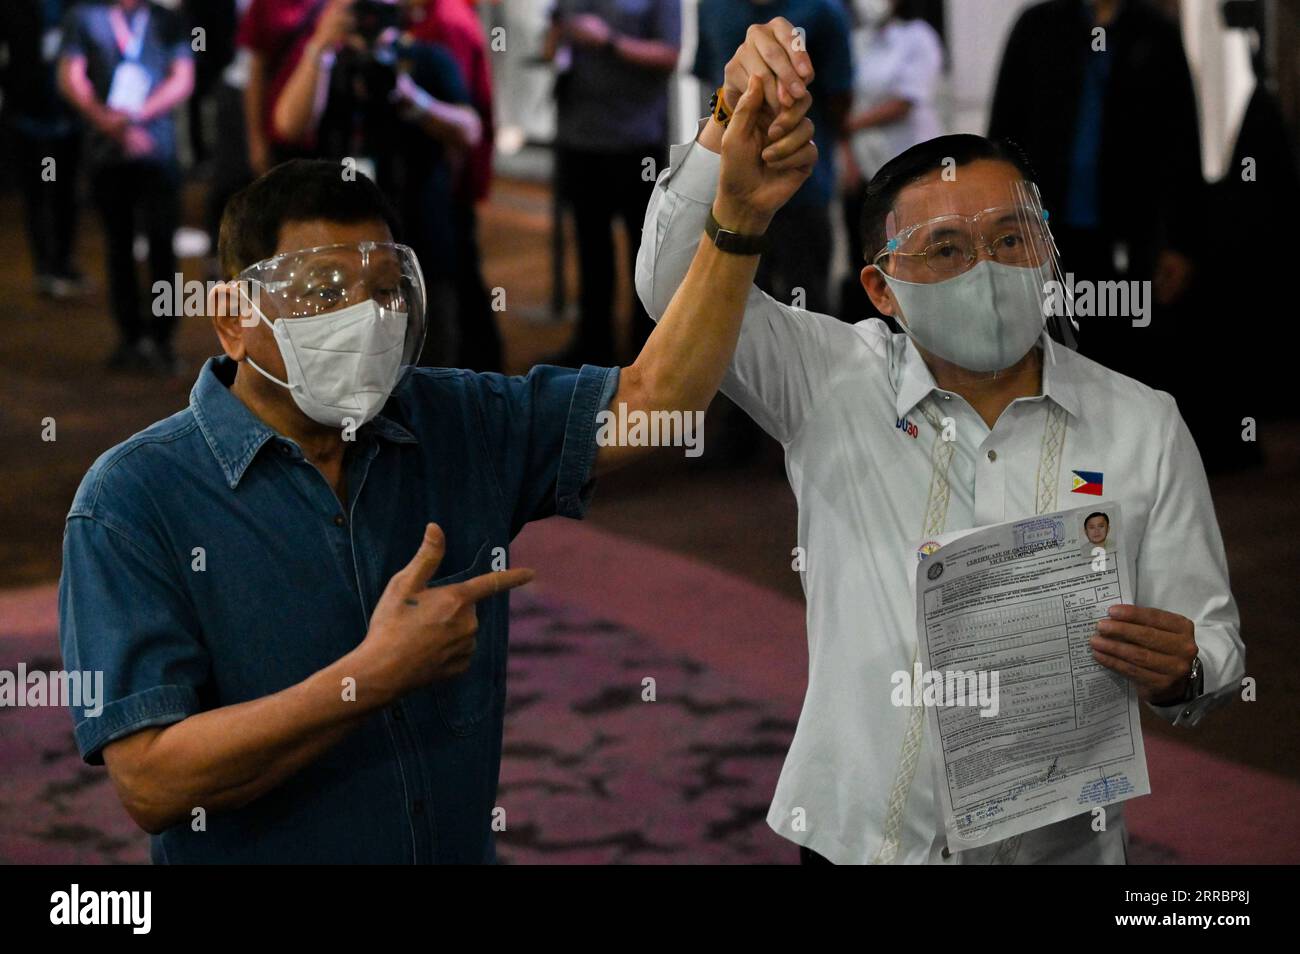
(138, 196)
(800, 257)
(230, 170)
(50, 204)
(600, 187)
(479, 341)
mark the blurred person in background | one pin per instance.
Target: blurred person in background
(229, 169)
(219, 20)
(42, 129)
(455, 26)
(275, 34)
(125, 66)
(897, 66)
(802, 229)
(396, 108)
(1089, 88)
(613, 61)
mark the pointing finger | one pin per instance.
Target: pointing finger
(497, 581)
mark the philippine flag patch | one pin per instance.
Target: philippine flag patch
(1087, 482)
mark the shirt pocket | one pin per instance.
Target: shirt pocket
(464, 700)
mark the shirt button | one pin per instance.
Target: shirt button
(286, 450)
(340, 520)
(398, 715)
(417, 807)
(993, 456)
(946, 853)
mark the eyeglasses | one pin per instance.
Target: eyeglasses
(950, 244)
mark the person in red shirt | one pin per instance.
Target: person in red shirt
(276, 33)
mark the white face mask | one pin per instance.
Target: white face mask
(342, 365)
(985, 319)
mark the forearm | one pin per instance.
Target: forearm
(303, 98)
(254, 92)
(173, 91)
(225, 758)
(650, 54)
(677, 213)
(681, 365)
(77, 90)
(453, 125)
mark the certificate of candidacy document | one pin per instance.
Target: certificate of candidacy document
(1029, 728)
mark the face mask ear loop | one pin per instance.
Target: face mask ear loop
(255, 366)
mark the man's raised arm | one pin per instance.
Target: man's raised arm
(771, 54)
(684, 359)
(784, 357)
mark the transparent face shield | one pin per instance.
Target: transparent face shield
(976, 287)
(312, 282)
(348, 320)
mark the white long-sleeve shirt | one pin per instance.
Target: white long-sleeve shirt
(834, 395)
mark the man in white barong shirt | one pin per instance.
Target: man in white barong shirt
(857, 785)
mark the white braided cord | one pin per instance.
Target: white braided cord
(936, 515)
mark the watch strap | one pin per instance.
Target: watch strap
(735, 243)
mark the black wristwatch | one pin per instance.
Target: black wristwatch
(735, 243)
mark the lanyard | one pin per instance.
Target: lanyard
(129, 41)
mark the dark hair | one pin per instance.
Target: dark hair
(300, 190)
(1096, 513)
(916, 163)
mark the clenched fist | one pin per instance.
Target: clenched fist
(774, 52)
(759, 174)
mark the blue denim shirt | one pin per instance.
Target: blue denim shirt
(207, 563)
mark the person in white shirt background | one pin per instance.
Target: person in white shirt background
(1026, 412)
(897, 67)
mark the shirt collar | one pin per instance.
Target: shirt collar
(235, 434)
(913, 380)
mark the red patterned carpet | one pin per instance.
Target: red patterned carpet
(591, 772)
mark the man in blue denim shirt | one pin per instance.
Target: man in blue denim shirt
(302, 620)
